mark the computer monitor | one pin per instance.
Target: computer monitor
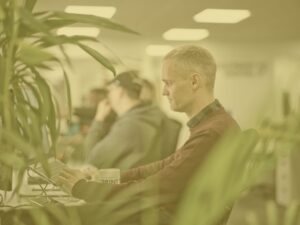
(6, 177)
(6, 172)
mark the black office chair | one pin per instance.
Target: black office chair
(169, 134)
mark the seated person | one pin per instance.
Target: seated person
(134, 138)
(188, 75)
(71, 145)
(87, 112)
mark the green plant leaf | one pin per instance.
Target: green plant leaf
(43, 88)
(23, 120)
(57, 23)
(29, 4)
(2, 77)
(48, 102)
(11, 159)
(51, 24)
(43, 66)
(224, 167)
(62, 39)
(46, 14)
(36, 97)
(100, 58)
(251, 218)
(272, 213)
(291, 214)
(93, 20)
(32, 24)
(39, 216)
(32, 121)
(69, 99)
(45, 92)
(29, 121)
(32, 55)
(18, 141)
(2, 14)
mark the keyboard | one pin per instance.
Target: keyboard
(58, 200)
(55, 167)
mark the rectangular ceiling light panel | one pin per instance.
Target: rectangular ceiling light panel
(86, 31)
(103, 11)
(222, 15)
(182, 34)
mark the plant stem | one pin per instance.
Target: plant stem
(9, 62)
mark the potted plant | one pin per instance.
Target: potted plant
(28, 110)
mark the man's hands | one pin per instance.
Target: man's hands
(103, 110)
(69, 177)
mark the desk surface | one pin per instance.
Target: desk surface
(37, 198)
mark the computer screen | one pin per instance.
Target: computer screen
(6, 176)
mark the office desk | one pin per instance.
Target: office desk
(32, 210)
(69, 211)
(98, 213)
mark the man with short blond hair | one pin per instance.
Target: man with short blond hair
(188, 74)
(195, 60)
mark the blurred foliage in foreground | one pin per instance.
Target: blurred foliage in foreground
(29, 125)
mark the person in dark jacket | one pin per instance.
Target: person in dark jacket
(188, 74)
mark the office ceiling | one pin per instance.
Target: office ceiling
(271, 20)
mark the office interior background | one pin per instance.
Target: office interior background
(258, 58)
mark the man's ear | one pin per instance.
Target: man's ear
(197, 81)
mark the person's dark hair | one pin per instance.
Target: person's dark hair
(131, 83)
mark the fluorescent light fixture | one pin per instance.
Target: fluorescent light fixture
(222, 15)
(158, 50)
(182, 34)
(86, 31)
(103, 11)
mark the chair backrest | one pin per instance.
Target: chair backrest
(169, 134)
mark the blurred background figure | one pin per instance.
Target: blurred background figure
(87, 111)
(137, 136)
(95, 96)
(71, 144)
(100, 129)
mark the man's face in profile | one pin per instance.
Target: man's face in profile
(177, 87)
